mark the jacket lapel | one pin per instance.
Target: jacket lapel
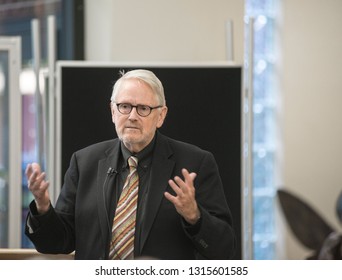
(105, 181)
(161, 171)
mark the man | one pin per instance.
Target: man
(167, 203)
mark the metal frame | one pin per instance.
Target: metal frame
(51, 97)
(36, 54)
(13, 46)
(247, 161)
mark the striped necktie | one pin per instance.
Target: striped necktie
(122, 243)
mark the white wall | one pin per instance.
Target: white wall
(161, 30)
(312, 97)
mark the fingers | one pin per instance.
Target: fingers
(189, 177)
(174, 184)
(36, 179)
(32, 171)
(171, 198)
(36, 167)
(37, 182)
(183, 186)
(28, 171)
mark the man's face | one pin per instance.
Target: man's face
(136, 131)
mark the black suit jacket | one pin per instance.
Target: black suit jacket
(80, 219)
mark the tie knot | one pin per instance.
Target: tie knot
(133, 161)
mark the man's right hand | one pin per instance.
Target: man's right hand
(38, 187)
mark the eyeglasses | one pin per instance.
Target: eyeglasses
(142, 110)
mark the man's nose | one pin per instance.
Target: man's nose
(134, 113)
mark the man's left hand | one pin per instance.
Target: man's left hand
(184, 201)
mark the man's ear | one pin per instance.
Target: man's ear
(111, 105)
(162, 116)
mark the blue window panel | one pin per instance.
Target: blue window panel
(263, 166)
(265, 93)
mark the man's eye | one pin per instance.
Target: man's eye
(125, 106)
(144, 108)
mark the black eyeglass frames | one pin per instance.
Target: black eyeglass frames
(142, 110)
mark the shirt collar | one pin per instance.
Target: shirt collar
(144, 156)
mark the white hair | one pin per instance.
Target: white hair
(147, 77)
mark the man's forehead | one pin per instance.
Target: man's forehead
(135, 88)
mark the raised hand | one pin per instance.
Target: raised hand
(38, 187)
(184, 201)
